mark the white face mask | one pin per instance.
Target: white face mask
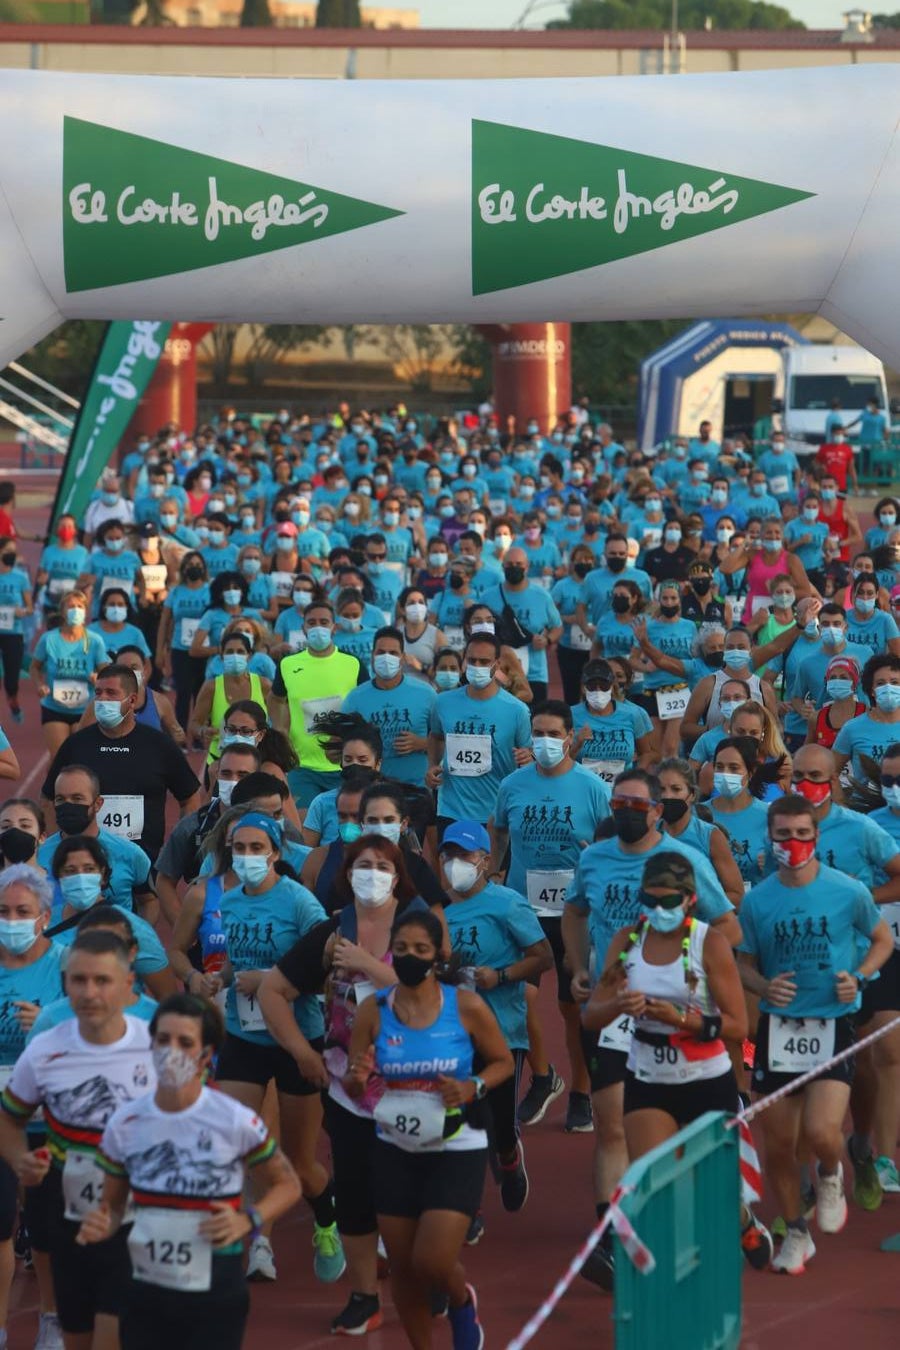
(598, 698)
(174, 1068)
(416, 612)
(461, 875)
(224, 789)
(370, 887)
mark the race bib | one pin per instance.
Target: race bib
(798, 1044)
(664, 1064)
(82, 1184)
(7, 618)
(249, 1012)
(760, 602)
(362, 990)
(891, 916)
(123, 816)
(72, 694)
(652, 536)
(166, 1249)
(187, 629)
(468, 756)
(282, 584)
(617, 1036)
(297, 640)
(60, 585)
(672, 702)
(317, 707)
(456, 638)
(579, 639)
(607, 769)
(780, 486)
(108, 583)
(156, 576)
(547, 890)
(411, 1120)
(524, 655)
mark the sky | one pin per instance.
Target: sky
(504, 13)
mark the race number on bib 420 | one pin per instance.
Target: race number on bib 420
(798, 1044)
(469, 756)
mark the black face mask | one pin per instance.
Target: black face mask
(715, 660)
(8, 558)
(701, 585)
(17, 846)
(616, 564)
(73, 817)
(514, 574)
(193, 573)
(412, 970)
(674, 809)
(621, 604)
(456, 581)
(669, 611)
(631, 825)
(582, 569)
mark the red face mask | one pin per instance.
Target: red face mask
(815, 793)
(66, 532)
(794, 852)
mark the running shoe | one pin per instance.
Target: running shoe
(888, 1176)
(579, 1116)
(329, 1262)
(514, 1182)
(866, 1184)
(476, 1230)
(361, 1315)
(831, 1203)
(49, 1335)
(598, 1266)
(757, 1244)
(468, 1333)
(544, 1089)
(261, 1261)
(793, 1254)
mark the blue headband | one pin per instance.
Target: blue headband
(257, 821)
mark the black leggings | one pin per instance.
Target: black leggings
(154, 1317)
(571, 663)
(12, 650)
(353, 1161)
(188, 673)
(503, 1101)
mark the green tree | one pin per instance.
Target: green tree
(16, 11)
(886, 20)
(256, 14)
(338, 14)
(692, 14)
(66, 357)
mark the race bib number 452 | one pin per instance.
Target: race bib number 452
(469, 756)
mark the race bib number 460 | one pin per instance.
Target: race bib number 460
(798, 1044)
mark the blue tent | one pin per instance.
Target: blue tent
(663, 373)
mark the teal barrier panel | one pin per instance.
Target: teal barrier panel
(683, 1201)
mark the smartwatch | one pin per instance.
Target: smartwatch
(480, 1088)
(861, 979)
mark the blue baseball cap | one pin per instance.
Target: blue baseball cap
(468, 834)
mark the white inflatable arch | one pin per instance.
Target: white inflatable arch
(427, 201)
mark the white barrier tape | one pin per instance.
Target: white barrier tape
(765, 1102)
(643, 1260)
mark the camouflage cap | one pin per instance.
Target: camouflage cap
(669, 869)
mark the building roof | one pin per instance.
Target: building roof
(485, 39)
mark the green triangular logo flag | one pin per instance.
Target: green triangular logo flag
(135, 208)
(544, 206)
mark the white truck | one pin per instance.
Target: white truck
(818, 375)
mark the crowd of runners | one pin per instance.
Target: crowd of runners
(357, 730)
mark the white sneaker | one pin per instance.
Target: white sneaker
(261, 1260)
(794, 1252)
(888, 1175)
(831, 1204)
(49, 1335)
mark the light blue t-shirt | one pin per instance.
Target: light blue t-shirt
(809, 554)
(704, 746)
(673, 638)
(599, 583)
(614, 637)
(493, 928)
(188, 604)
(63, 566)
(322, 816)
(14, 586)
(855, 844)
(809, 680)
(813, 931)
(130, 636)
(40, 982)
(128, 864)
(464, 723)
(875, 632)
(151, 956)
(407, 708)
(549, 819)
(614, 735)
(748, 838)
(566, 594)
(258, 930)
(534, 610)
(862, 735)
(607, 881)
(68, 667)
(120, 568)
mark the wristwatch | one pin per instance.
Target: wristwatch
(861, 979)
(256, 1221)
(480, 1088)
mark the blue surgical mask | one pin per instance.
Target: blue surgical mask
(116, 613)
(811, 629)
(231, 597)
(479, 677)
(18, 936)
(386, 665)
(728, 784)
(771, 545)
(81, 890)
(349, 831)
(665, 920)
(832, 635)
(838, 688)
(318, 639)
(758, 489)
(829, 494)
(736, 658)
(108, 712)
(447, 679)
(730, 707)
(811, 513)
(391, 518)
(892, 796)
(387, 829)
(548, 751)
(865, 606)
(235, 738)
(110, 498)
(887, 697)
(235, 663)
(251, 868)
(251, 566)
(115, 545)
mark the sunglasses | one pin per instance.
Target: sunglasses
(670, 901)
(603, 685)
(890, 780)
(632, 804)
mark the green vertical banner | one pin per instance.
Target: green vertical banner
(127, 359)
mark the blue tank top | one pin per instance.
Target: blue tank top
(149, 714)
(403, 1052)
(328, 875)
(210, 933)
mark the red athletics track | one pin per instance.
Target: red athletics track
(850, 1295)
